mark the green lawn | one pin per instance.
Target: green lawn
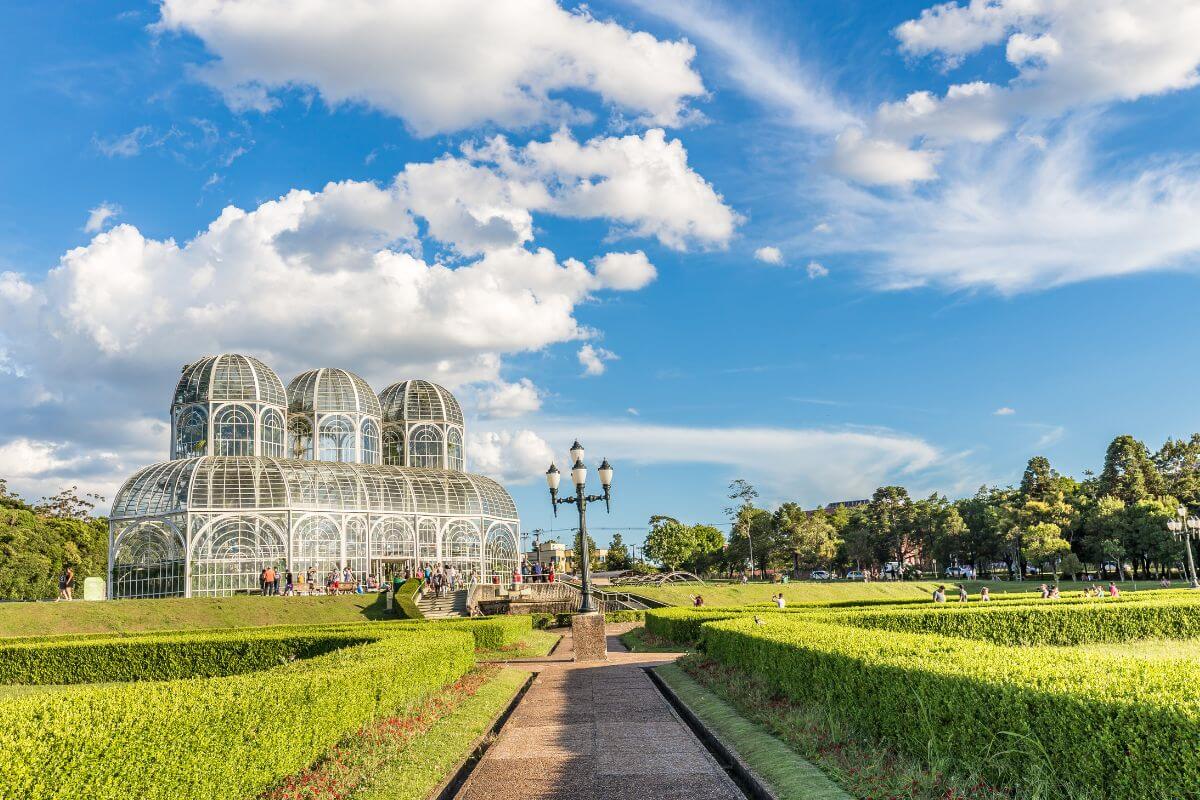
(736, 594)
(426, 761)
(535, 645)
(638, 641)
(120, 616)
(789, 775)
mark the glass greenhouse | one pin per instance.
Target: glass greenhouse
(347, 481)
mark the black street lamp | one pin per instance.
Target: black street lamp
(581, 499)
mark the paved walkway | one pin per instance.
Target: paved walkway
(597, 731)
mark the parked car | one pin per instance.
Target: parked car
(960, 572)
(854, 575)
(819, 575)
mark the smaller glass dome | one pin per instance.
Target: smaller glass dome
(229, 376)
(331, 390)
(417, 400)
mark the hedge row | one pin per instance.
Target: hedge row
(227, 737)
(490, 632)
(406, 599)
(1081, 726)
(1049, 623)
(164, 657)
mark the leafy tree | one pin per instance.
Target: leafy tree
(1178, 462)
(811, 538)
(1128, 472)
(35, 547)
(618, 554)
(669, 542)
(890, 519)
(741, 534)
(708, 545)
(593, 559)
(1043, 543)
(1070, 565)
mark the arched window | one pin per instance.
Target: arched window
(337, 439)
(425, 447)
(427, 540)
(392, 538)
(272, 434)
(300, 439)
(393, 447)
(233, 430)
(191, 432)
(501, 551)
(454, 449)
(370, 442)
(317, 543)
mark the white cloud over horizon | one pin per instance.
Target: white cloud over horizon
(441, 65)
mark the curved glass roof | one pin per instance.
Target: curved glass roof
(248, 483)
(331, 390)
(418, 400)
(229, 376)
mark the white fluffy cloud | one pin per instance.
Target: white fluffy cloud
(594, 359)
(624, 271)
(816, 270)
(498, 400)
(1004, 411)
(880, 161)
(509, 457)
(769, 255)
(99, 216)
(1068, 54)
(442, 65)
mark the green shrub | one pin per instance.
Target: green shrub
(226, 737)
(164, 657)
(490, 633)
(625, 615)
(406, 599)
(1048, 623)
(1052, 722)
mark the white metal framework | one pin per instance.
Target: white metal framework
(422, 426)
(229, 503)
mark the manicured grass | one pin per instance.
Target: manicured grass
(426, 763)
(736, 594)
(408, 755)
(863, 768)
(1149, 649)
(789, 775)
(120, 616)
(639, 641)
(535, 644)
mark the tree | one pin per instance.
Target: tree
(742, 516)
(618, 554)
(1129, 473)
(811, 538)
(669, 542)
(593, 559)
(34, 548)
(708, 545)
(889, 518)
(1043, 543)
(1178, 462)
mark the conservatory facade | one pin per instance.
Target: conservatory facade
(227, 504)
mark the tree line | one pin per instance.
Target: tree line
(38, 540)
(1047, 521)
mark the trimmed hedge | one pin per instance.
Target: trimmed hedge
(1078, 725)
(406, 599)
(490, 632)
(227, 737)
(164, 657)
(1049, 623)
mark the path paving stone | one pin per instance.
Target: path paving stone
(597, 731)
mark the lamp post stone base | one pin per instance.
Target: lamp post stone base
(587, 634)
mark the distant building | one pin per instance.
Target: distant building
(558, 555)
(831, 507)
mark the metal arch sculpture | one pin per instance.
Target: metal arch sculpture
(658, 579)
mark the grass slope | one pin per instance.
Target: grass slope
(121, 616)
(789, 775)
(736, 594)
(421, 767)
(535, 644)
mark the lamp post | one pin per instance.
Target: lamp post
(1184, 529)
(581, 500)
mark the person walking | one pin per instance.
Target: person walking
(262, 582)
(289, 588)
(268, 581)
(278, 580)
(66, 583)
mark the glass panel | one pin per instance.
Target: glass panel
(316, 548)
(425, 447)
(370, 442)
(501, 552)
(229, 556)
(300, 438)
(191, 432)
(393, 447)
(148, 562)
(233, 430)
(454, 449)
(427, 540)
(272, 441)
(337, 439)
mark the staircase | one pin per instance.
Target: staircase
(451, 604)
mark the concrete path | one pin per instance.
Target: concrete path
(597, 731)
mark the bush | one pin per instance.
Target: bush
(226, 737)
(1127, 728)
(406, 599)
(490, 633)
(625, 615)
(164, 657)
(1048, 623)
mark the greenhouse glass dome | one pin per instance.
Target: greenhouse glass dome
(244, 491)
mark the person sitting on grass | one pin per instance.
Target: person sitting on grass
(697, 601)
(1054, 593)
(1045, 590)
(1113, 591)
(984, 595)
(780, 601)
(962, 593)
(1165, 582)
(939, 594)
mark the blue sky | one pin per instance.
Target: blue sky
(819, 246)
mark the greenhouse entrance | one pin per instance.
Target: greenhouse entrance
(387, 569)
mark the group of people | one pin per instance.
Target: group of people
(275, 582)
(443, 578)
(1048, 592)
(537, 573)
